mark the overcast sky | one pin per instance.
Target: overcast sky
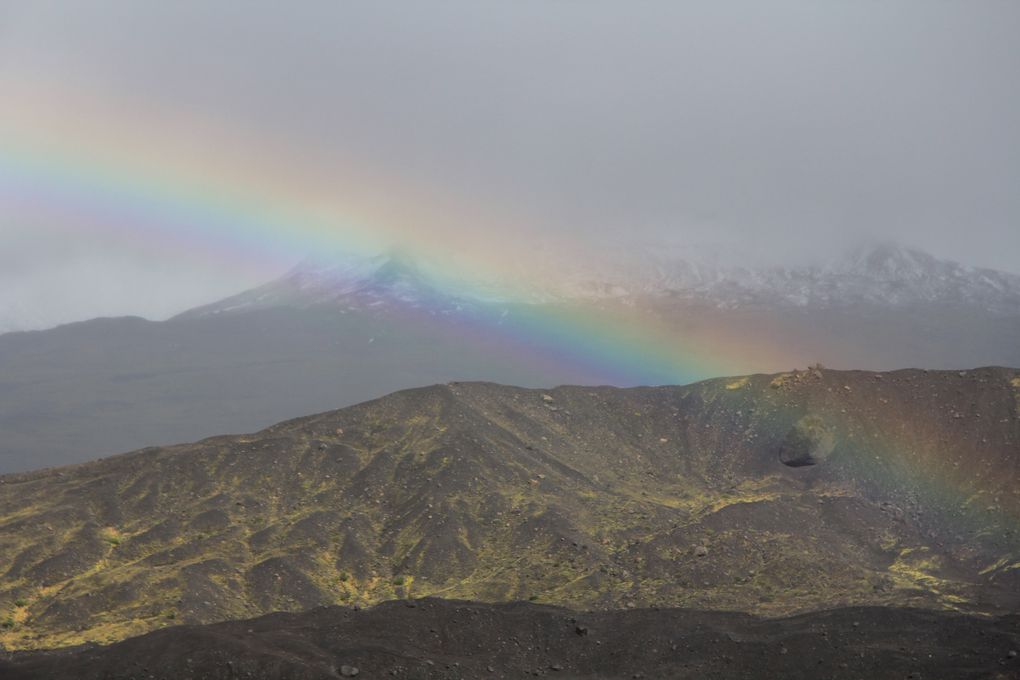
(791, 128)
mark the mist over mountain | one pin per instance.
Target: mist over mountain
(883, 274)
(721, 275)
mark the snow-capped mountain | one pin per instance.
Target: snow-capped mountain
(381, 280)
(896, 275)
(886, 275)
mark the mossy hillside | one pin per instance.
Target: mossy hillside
(588, 497)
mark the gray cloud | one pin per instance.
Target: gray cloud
(789, 127)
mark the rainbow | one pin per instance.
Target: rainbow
(249, 205)
(137, 177)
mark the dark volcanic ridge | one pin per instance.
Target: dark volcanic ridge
(431, 638)
(768, 494)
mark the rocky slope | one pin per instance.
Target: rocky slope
(437, 639)
(766, 494)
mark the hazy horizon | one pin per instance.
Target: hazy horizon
(160, 157)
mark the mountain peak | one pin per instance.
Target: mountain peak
(393, 272)
(888, 260)
(352, 280)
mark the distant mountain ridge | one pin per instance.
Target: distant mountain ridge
(885, 275)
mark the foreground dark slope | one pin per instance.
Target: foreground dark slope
(444, 639)
(589, 497)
